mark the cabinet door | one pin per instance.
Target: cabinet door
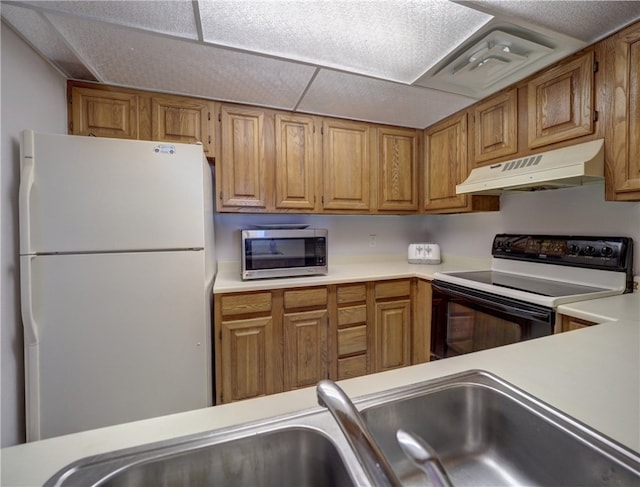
(305, 348)
(296, 164)
(495, 127)
(445, 164)
(241, 172)
(560, 102)
(180, 119)
(397, 172)
(247, 349)
(104, 113)
(626, 129)
(346, 177)
(392, 335)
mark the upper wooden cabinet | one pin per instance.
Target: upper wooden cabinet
(445, 164)
(494, 127)
(297, 168)
(397, 169)
(104, 113)
(180, 119)
(560, 102)
(626, 117)
(346, 165)
(242, 179)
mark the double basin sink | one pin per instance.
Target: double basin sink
(484, 430)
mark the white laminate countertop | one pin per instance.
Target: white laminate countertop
(346, 269)
(592, 374)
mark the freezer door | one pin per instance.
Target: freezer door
(80, 194)
(113, 338)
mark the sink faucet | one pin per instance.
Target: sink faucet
(331, 396)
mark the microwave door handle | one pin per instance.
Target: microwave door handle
(497, 306)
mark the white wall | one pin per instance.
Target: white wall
(574, 211)
(32, 96)
(577, 211)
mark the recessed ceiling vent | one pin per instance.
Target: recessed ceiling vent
(491, 59)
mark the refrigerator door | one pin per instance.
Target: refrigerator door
(115, 337)
(86, 194)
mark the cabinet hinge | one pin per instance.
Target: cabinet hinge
(208, 115)
(219, 117)
(220, 195)
(595, 115)
(322, 131)
(596, 65)
(209, 139)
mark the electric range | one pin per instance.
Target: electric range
(549, 270)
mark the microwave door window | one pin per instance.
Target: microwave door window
(275, 253)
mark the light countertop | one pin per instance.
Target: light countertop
(346, 269)
(592, 374)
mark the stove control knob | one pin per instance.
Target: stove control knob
(606, 251)
(574, 249)
(589, 250)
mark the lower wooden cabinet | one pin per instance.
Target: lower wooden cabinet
(245, 347)
(569, 323)
(283, 339)
(392, 325)
(305, 337)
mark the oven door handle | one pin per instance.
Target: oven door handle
(499, 303)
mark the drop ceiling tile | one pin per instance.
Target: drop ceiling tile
(36, 30)
(154, 62)
(588, 21)
(174, 17)
(389, 39)
(346, 95)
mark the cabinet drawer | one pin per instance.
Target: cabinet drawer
(393, 289)
(302, 298)
(352, 366)
(239, 304)
(352, 340)
(352, 294)
(352, 315)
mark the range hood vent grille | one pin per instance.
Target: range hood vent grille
(561, 168)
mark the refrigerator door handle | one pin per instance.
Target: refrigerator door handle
(31, 350)
(27, 176)
(28, 318)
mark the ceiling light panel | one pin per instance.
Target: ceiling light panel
(391, 39)
(351, 96)
(577, 19)
(154, 62)
(174, 17)
(46, 40)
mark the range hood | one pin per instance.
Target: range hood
(576, 165)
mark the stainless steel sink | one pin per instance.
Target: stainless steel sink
(487, 432)
(278, 452)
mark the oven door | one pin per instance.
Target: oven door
(467, 320)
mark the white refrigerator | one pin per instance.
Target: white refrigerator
(116, 268)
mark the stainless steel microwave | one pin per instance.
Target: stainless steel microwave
(284, 252)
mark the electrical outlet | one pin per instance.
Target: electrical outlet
(372, 240)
